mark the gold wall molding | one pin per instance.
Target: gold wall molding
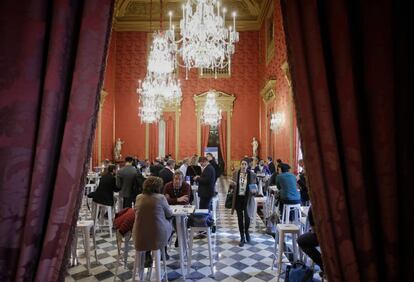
(101, 105)
(268, 94)
(270, 33)
(225, 102)
(292, 141)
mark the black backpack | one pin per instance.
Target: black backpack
(137, 184)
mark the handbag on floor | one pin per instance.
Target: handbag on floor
(229, 200)
(200, 220)
(298, 272)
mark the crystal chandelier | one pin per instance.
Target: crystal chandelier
(276, 121)
(159, 87)
(149, 111)
(161, 59)
(205, 41)
(211, 114)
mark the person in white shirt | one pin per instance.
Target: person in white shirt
(184, 166)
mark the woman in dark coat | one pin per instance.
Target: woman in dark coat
(243, 199)
(104, 194)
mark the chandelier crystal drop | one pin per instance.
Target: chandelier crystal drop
(205, 40)
(211, 114)
(149, 111)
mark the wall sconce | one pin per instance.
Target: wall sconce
(276, 121)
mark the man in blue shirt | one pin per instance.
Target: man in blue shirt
(286, 183)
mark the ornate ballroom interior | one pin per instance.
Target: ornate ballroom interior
(324, 81)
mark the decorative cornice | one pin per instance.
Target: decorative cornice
(133, 24)
(133, 15)
(268, 92)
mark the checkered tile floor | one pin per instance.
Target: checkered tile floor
(231, 263)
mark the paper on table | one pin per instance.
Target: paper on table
(201, 211)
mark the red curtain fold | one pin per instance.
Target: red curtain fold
(153, 141)
(222, 130)
(205, 132)
(350, 81)
(53, 58)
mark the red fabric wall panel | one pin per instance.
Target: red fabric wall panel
(107, 115)
(131, 62)
(279, 143)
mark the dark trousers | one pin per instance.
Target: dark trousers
(206, 203)
(308, 243)
(243, 220)
(128, 202)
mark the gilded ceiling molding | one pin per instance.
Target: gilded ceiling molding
(134, 15)
(268, 92)
(264, 9)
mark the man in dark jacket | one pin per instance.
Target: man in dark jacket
(156, 167)
(271, 165)
(125, 179)
(167, 173)
(206, 183)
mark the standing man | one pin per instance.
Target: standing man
(271, 165)
(184, 166)
(124, 181)
(206, 182)
(167, 172)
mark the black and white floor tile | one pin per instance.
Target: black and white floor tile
(251, 263)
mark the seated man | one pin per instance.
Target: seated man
(177, 192)
(286, 182)
(308, 243)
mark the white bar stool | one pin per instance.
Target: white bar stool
(103, 208)
(119, 238)
(287, 208)
(85, 227)
(257, 200)
(193, 231)
(282, 230)
(139, 265)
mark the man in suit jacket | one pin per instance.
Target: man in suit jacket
(125, 180)
(206, 183)
(271, 165)
(156, 167)
(167, 173)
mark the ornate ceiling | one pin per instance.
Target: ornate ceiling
(134, 15)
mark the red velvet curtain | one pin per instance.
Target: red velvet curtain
(169, 134)
(222, 131)
(153, 141)
(52, 64)
(349, 64)
(205, 132)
